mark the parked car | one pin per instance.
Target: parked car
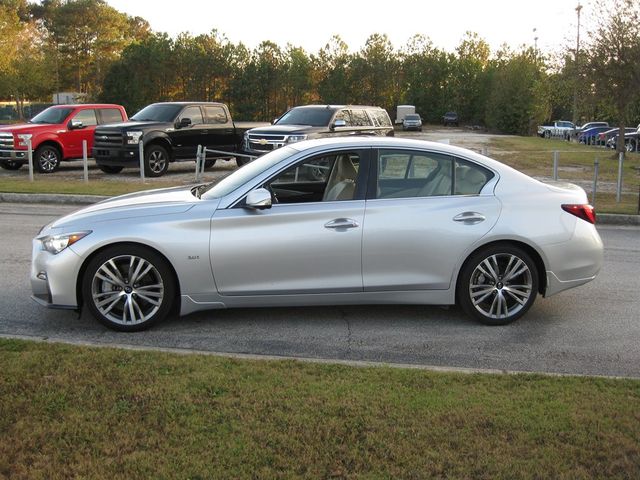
(450, 118)
(318, 121)
(588, 125)
(412, 121)
(472, 231)
(605, 137)
(591, 136)
(57, 135)
(631, 139)
(169, 132)
(558, 129)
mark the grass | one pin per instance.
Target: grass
(68, 186)
(79, 412)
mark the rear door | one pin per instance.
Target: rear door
(220, 132)
(424, 210)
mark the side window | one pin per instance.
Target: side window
(360, 118)
(193, 113)
(87, 117)
(325, 178)
(215, 115)
(344, 115)
(470, 178)
(110, 115)
(406, 174)
(381, 118)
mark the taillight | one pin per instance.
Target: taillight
(585, 212)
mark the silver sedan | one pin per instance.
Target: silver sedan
(325, 222)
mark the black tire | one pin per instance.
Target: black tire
(547, 134)
(485, 277)
(123, 304)
(240, 161)
(110, 169)
(10, 164)
(47, 159)
(156, 161)
(210, 162)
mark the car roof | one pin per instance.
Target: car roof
(87, 105)
(336, 106)
(187, 103)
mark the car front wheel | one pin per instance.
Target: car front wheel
(47, 159)
(498, 284)
(156, 161)
(110, 169)
(10, 164)
(128, 287)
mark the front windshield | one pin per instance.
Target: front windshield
(412, 117)
(314, 117)
(246, 173)
(158, 112)
(52, 115)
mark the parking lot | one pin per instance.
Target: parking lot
(591, 330)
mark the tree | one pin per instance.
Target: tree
(613, 63)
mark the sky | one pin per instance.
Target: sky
(310, 24)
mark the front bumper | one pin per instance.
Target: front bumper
(14, 155)
(116, 156)
(53, 277)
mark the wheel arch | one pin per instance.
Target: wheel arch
(162, 141)
(532, 252)
(85, 264)
(52, 143)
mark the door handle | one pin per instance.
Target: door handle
(469, 218)
(342, 223)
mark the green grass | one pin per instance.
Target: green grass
(77, 412)
(79, 187)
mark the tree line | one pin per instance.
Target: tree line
(88, 46)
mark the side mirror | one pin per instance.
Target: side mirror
(76, 124)
(339, 123)
(184, 122)
(260, 199)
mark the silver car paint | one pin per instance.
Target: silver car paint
(204, 238)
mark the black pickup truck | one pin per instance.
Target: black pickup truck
(169, 131)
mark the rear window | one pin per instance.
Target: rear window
(111, 115)
(215, 114)
(380, 117)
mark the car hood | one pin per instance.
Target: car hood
(32, 128)
(284, 129)
(164, 201)
(132, 125)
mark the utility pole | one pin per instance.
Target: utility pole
(577, 68)
(535, 41)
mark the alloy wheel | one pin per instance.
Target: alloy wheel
(500, 286)
(127, 290)
(157, 161)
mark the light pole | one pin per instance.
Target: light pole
(577, 67)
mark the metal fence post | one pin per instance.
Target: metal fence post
(85, 161)
(198, 154)
(141, 155)
(555, 165)
(30, 157)
(619, 186)
(484, 151)
(596, 169)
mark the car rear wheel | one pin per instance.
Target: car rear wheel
(209, 163)
(498, 284)
(47, 159)
(10, 164)
(128, 288)
(240, 161)
(156, 161)
(110, 169)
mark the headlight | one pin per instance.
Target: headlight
(296, 138)
(57, 243)
(133, 137)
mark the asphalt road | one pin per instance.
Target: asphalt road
(594, 329)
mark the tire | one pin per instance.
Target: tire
(484, 278)
(110, 169)
(120, 303)
(10, 164)
(240, 161)
(156, 161)
(547, 134)
(47, 159)
(209, 163)
(630, 146)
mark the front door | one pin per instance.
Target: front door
(308, 242)
(186, 139)
(73, 137)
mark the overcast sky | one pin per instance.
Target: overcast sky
(310, 23)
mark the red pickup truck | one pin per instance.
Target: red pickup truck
(57, 134)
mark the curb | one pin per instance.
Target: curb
(64, 199)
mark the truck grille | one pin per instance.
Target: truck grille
(265, 142)
(106, 137)
(6, 141)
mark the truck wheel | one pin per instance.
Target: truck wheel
(110, 169)
(241, 161)
(209, 163)
(547, 134)
(156, 161)
(10, 164)
(47, 159)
